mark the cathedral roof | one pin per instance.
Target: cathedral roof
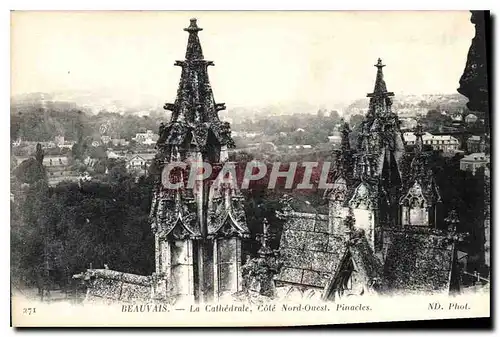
(310, 254)
(419, 259)
(366, 263)
(313, 257)
(111, 286)
(367, 266)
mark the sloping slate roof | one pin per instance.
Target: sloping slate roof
(310, 254)
(418, 261)
(366, 262)
(113, 286)
(306, 203)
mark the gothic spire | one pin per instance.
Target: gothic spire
(195, 102)
(194, 110)
(380, 101)
(380, 136)
(344, 154)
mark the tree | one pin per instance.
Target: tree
(356, 120)
(29, 232)
(30, 171)
(118, 173)
(98, 152)
(39, 154)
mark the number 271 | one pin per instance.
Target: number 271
(29, 311)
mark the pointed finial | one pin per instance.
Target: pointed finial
(193, 50)
(265, 228)
(379, 63)
(380, 89)
(345, 130)
(452, 217)
(264, 239)
(193, 26)
(419, 132)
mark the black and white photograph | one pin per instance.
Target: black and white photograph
(260, 168)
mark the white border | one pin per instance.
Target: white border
(187, 5)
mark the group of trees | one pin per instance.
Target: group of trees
(59, 231)
(293, 129)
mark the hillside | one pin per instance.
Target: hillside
(446, 102)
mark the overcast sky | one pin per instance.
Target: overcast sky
(260, 57)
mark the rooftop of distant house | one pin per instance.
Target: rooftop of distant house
(410, 136)
(474, 138)
(476, 157)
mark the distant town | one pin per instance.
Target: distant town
(95, 217)
(85, 144)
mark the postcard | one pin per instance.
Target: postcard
(252, 168)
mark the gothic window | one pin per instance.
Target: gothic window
(414, 207)
(361, 198)
(418, 217)
(227, 264)
(363, 219)
(339, 190)
(181, 256)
